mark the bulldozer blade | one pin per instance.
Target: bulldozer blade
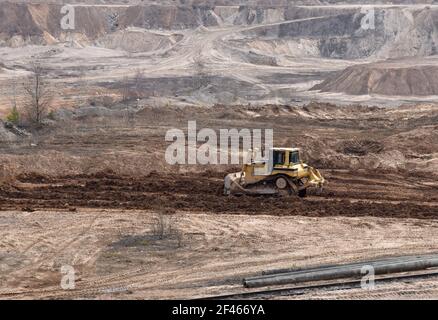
(315, 178)
(231, 182)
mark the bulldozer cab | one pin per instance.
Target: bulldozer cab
(285, 157)
(279, 158)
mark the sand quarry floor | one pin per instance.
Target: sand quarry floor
(116, 257)
(94, 194)
(225, 64)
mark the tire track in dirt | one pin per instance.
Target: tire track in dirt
(45, 258)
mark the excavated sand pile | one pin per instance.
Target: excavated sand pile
(397, 78)
(266, 43)
(333, 32)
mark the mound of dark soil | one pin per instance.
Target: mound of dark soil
(360, 147)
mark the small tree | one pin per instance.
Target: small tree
(38, 95)
(125, 89)
(138, 83)
(131, 87)
(13, 116)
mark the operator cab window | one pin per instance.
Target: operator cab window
(279, 157)
(294, 157)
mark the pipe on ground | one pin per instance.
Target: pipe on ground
(333, 266)
(340, 272)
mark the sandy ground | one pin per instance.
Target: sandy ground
(240, 64)
(92, 189)
(115, 255)
(90, 194)
(84, 73)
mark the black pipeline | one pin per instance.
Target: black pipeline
(381, 267)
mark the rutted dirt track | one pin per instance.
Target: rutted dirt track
(115, 256)
(347, 194)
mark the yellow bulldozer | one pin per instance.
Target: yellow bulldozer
(281, 172)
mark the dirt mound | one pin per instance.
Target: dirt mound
(421, 140)
(138, 40)
(393, 78)
(202, 192)
(33, 177)
(282, 47)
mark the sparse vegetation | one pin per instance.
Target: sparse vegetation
(161, 227)
(125, 90)
(131, 87)
(139, 78)
(38, 94)
(13, 116)
(200, 73)
(165, 226)
(51, 115)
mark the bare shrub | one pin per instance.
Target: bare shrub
(161, 226)
(139, 78)
(39, 96)
(165, 226)
(201, 74)
(125, 88)
(176, 232)
(131, 87)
